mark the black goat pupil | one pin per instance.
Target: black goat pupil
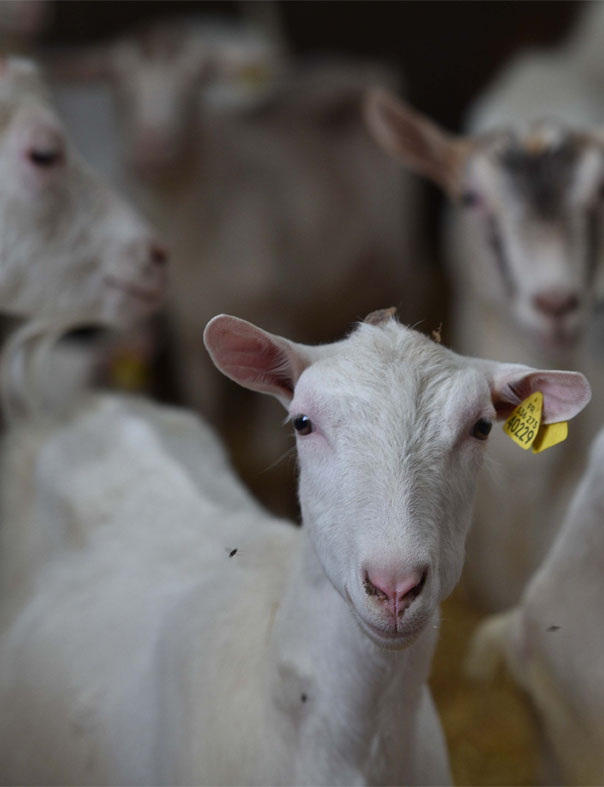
(483, 427)
(302, 423)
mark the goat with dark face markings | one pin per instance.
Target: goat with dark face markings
(525, 246)
(531, 210)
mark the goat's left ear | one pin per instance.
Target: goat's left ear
(565, 394)
(254, 358)
(416, 141)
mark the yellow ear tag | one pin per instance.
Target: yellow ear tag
(524, 422)
(549, 435)
(129, 370)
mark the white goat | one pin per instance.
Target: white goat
(525, 247)
(553, 641)
(285, 210)
(161, 76)
(158, 627)
(68, 245)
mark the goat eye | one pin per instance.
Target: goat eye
(302, 424)
(469, 199)
(481, 429)
(45, 159)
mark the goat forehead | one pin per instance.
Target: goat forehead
(540, 166)
(392, 377)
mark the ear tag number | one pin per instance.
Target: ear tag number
(549, 435)
(524, 422)
(525, 428)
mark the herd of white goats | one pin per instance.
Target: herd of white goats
(157, 625)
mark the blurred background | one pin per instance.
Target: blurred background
(445, 52)
(277, 206)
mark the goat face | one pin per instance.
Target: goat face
(159, 76)
(68, 244)
(532, 205)
(387, 475)
(157, 79)
(531, 208)
(391, 430)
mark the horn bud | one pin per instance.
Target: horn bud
(380, 316)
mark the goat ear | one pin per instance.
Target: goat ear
(565, 394)
(412, 138)
(254, 358)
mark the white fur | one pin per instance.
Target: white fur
(135, 648)
(553, 642)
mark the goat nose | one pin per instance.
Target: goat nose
(556, 303)
(395, 589)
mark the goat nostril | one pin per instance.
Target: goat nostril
(374, 590)
(158, 256)
(415, 590)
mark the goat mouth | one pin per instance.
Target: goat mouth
(150, 296)
(388, 638)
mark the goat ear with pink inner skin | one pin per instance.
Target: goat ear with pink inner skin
(565, 394)
(254, 358)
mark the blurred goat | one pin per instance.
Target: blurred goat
(281, 211)
(71, 252)
(553, 641)
(525, 248)
(68, 244)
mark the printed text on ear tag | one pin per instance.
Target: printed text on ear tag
(524, 422)
(549, 435)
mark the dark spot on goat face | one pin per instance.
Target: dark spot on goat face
(232, 553)
(553, 628)
(303, 697)
(543, 175)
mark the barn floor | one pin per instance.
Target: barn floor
(489, 727)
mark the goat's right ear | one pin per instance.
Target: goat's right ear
(254, 358)
(412, 138)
